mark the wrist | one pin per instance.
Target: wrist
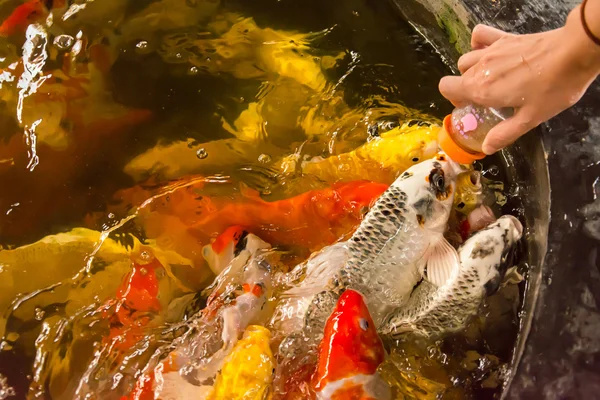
(584, 53)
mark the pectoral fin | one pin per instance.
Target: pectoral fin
(442, 261)
(512, 277)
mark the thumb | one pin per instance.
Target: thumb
(452, 88)
(507, 131)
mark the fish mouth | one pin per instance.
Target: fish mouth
(475, 179)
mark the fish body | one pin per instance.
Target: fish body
(312, 219)
(381, 159)
(484, 259)
(350, 353)
(22, 16)
(239, 299)
(246, 374)
(248, 371)
(228, 245)
(385, 258)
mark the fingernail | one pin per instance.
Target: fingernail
(488, 150)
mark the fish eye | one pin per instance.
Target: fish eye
(364, 324)
(373, 130)
(415, 156)
(437, 180)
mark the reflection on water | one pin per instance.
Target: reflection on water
(135, 132)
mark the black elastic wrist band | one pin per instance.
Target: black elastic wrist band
(586, 28)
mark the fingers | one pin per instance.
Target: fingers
(484, 36)
(452, 88)
(469, 59)
(508, 131)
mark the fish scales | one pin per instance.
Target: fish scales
(382, 246)
(385, 258)
(484, 260)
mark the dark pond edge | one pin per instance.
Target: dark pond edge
(561, 352)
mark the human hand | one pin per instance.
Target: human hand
(539, 75)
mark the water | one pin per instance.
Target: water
(113, 102)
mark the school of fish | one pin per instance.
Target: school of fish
(233, 296)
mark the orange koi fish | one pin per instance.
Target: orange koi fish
(22, 16)
(137, 298)
(349, 354)
(27, 13)
(312, 219)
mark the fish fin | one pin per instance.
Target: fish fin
(176, 387)
(378, 388)
(442, 261)
(320, 269)
(296, 301)
(512, 277)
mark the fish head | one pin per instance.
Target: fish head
(351, 345)
(229, 245)
(430, 187)
(469, 192)
(491, 251)
(408, 144)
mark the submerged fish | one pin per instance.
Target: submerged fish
(180, 369)
(435, 308)
(312, 219)
(248, 371)
(27, 13)
(228, 245)
(381, 159)
(350, 353)
(247, 374)
(234, 305)
(385, 258)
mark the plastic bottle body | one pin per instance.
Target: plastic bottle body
(470, 125)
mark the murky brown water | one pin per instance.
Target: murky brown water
(106, 103)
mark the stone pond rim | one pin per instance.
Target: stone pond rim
(557, 355)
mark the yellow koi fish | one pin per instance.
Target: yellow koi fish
(247, 374)
(248, 371)
(381, 159)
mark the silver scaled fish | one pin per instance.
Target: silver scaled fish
(434, 309)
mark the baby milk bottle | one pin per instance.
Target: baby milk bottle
(465, 129)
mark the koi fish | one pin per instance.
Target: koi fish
(310, 220)
(247, 374)
(400, 238)
(240, 302)
(22, 16)
(248, 371)
(469, 192)
(381, 159)
(437, 308)
(237, 300)
(228, 245)
(134, 305)
(350, 353)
